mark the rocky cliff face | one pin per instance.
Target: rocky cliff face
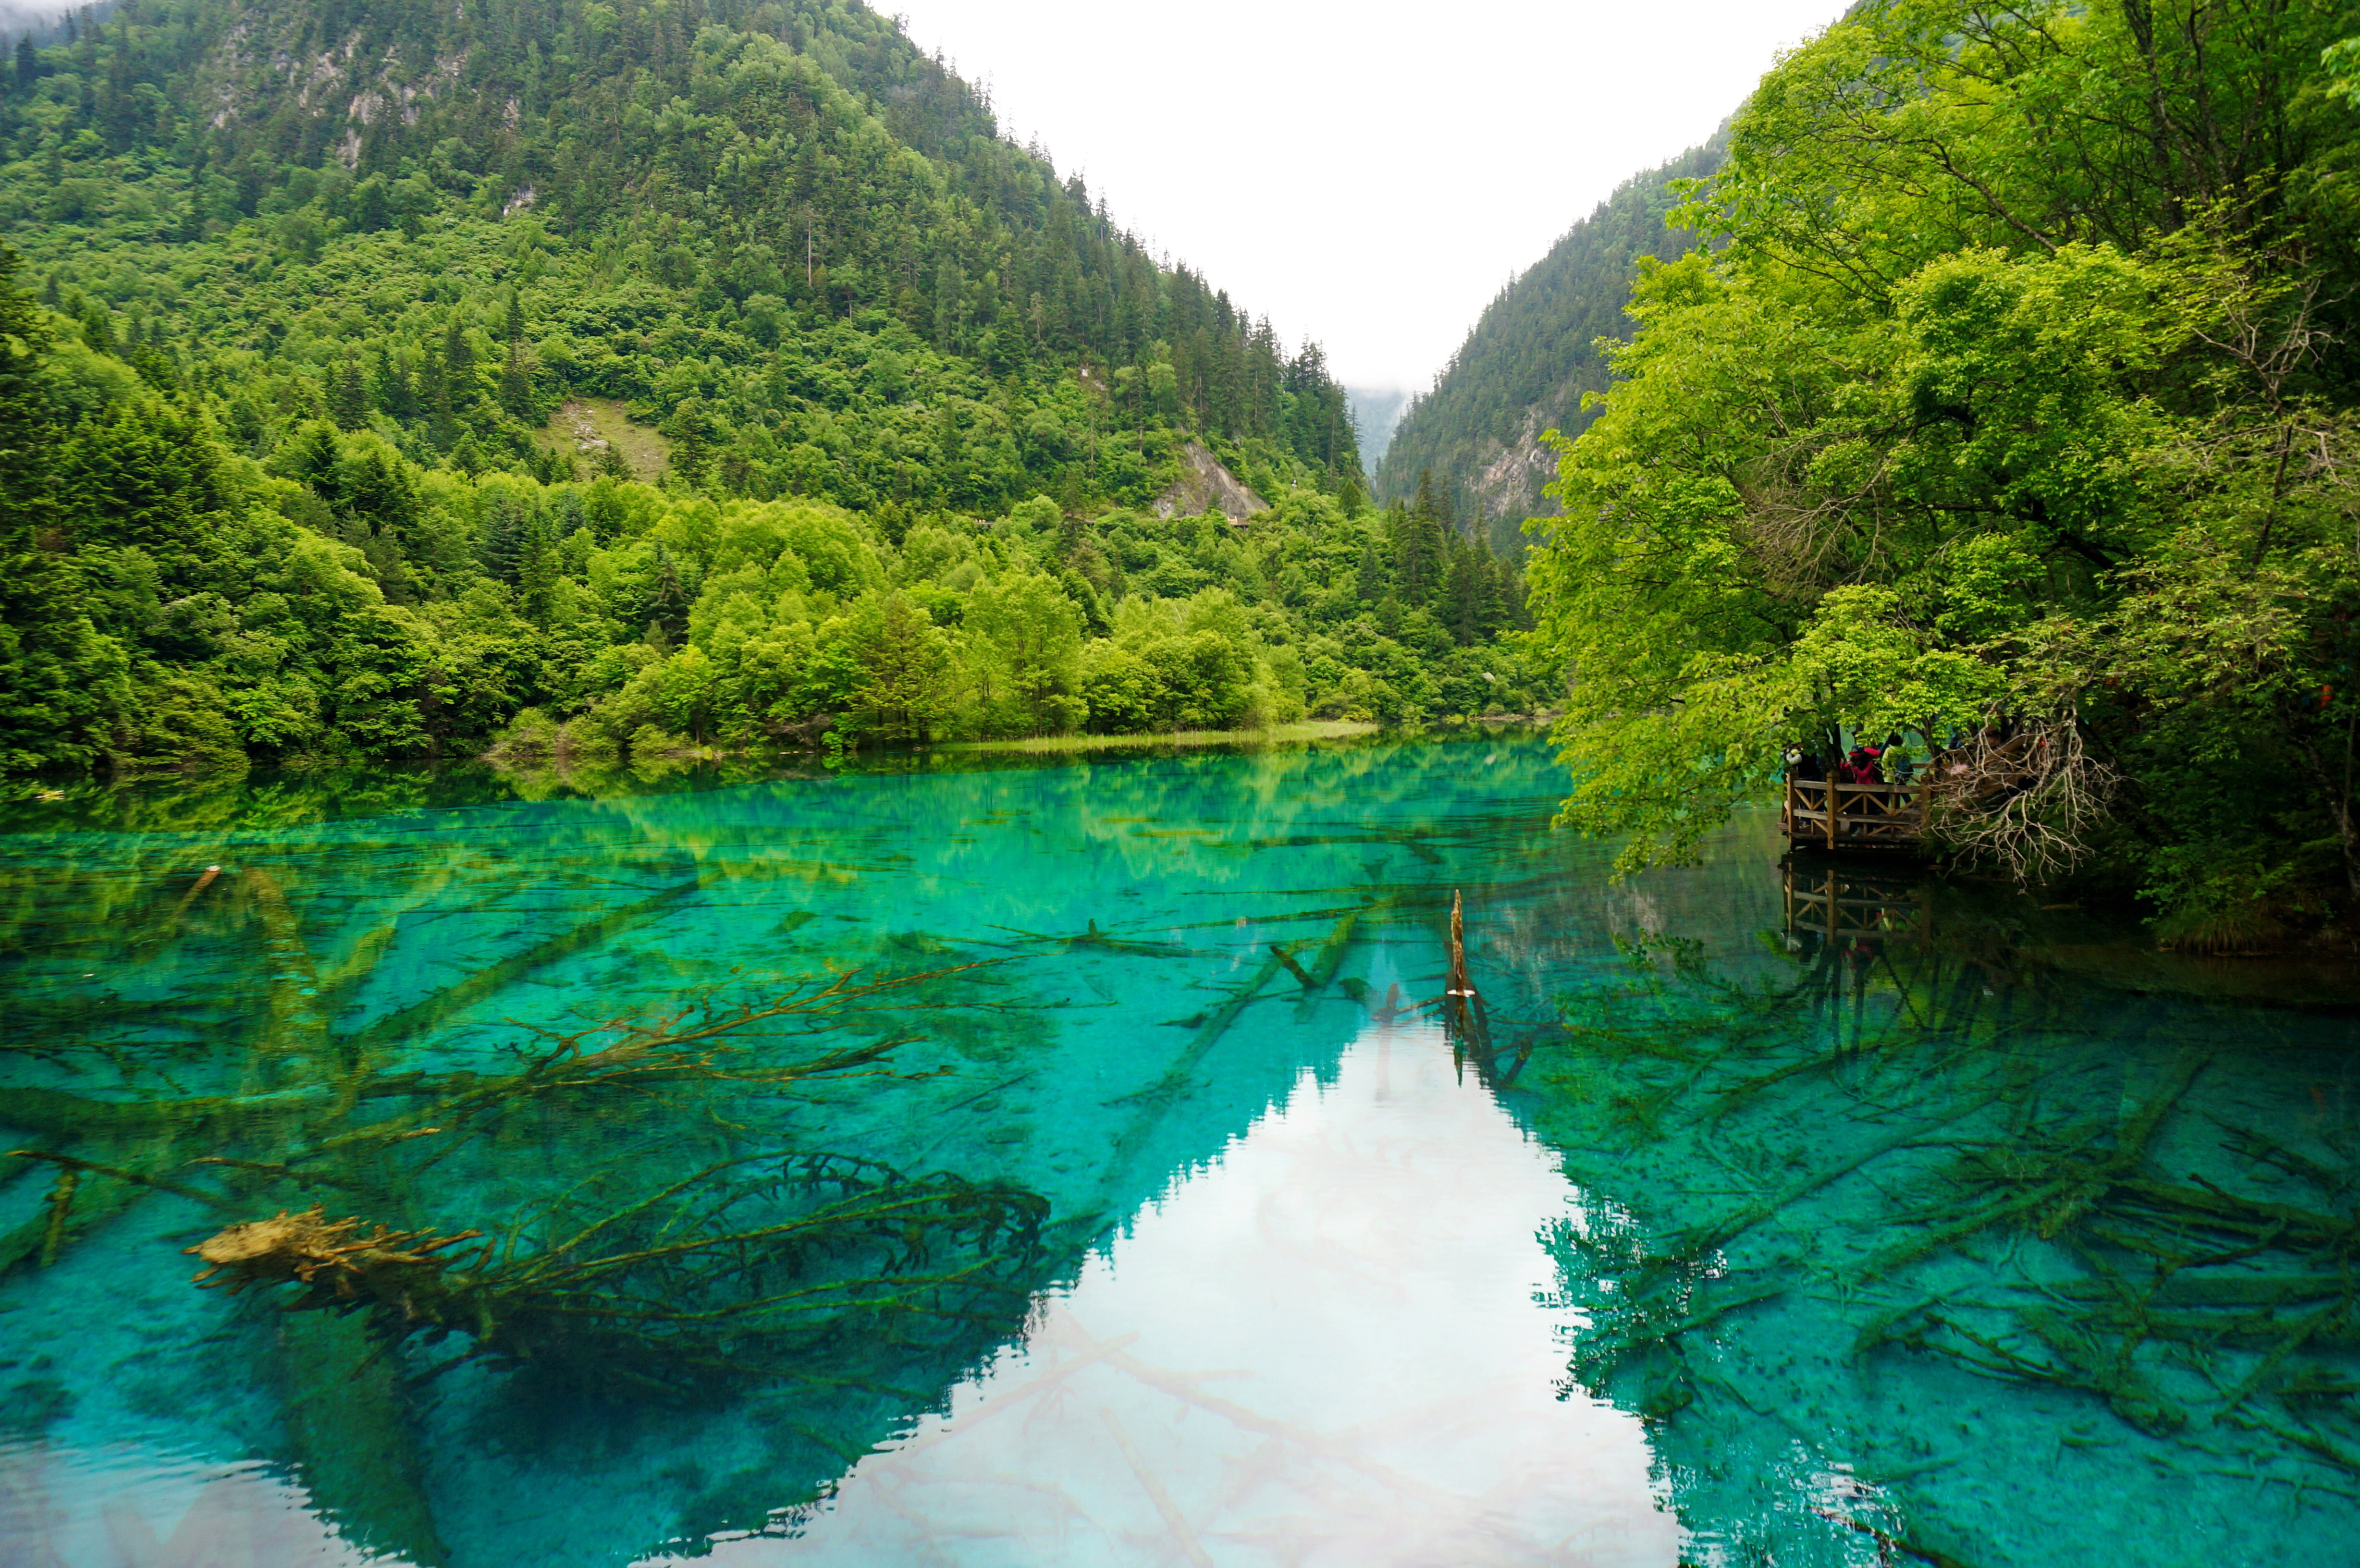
(272, 70)
(1204, 484)
(1511, 484)
(1526, 365)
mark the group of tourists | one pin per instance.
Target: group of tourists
(1835, 818)
(1864, 764)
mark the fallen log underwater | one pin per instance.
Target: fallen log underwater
(665, 1280)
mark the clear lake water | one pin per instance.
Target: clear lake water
(1099, 1160)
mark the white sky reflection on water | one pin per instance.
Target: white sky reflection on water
(1323, 1348)
(140, 1505)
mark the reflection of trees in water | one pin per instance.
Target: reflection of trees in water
(620, 1242)
(333, 1018)
(680, 1188)
(1916, 1150)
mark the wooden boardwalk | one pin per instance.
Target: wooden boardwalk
(1823, 814)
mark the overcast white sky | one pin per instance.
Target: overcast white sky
(1367, 175)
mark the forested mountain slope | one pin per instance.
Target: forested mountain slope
(1532, 356)
(370, 348)
(685, 188)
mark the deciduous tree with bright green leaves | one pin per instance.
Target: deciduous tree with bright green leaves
(2001, 415)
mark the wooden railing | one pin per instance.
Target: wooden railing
(1828, 816)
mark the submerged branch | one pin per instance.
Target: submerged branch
(699, 1280)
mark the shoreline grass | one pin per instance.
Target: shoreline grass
(1327, 729)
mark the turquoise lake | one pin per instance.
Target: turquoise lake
(1092, 1162)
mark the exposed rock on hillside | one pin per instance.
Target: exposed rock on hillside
(1524, 368)
(1204, 485)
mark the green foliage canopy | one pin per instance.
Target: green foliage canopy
(2001, 417)
(296, 427)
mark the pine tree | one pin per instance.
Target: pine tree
(348, 396)
(1422, 542)
(692, 451)
(668, 605)
(313, 457)
(516, 383)
(395, 392)
(505, 526)
(458, 366)
(434, 392)
(154, 365)
(1473, 606)
(61, 680)
(371, 210)
(536, 567)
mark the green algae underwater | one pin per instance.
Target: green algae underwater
(686, 1150)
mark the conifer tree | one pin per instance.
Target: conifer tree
(668, 607)
(1420, 543)
(60, 677)
(1462, 593)
(458, 365)
(348, 396)
(313, 458)
(434, 392)
(504, 537)
(516, 385)
(536, 572)
(394, 391)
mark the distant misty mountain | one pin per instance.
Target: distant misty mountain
(44, 22)
(1376, 411)
(1524, 368)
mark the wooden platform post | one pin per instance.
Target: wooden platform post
(1832, 815)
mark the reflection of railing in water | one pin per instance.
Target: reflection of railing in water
(1832, 815)
(1832, 902)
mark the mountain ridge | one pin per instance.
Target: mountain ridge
(823, 164)
(1531, 357)
(312, 289)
